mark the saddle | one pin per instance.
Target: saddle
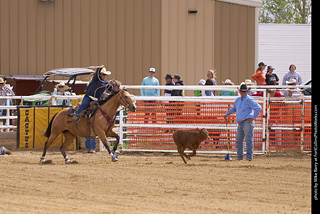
(87, 113)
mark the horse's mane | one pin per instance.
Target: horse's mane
(101, 102)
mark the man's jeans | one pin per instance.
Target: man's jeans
(85, 104)
(90, 143)
(245, 132)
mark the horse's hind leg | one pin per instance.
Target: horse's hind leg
(69, 137)
(50, 140)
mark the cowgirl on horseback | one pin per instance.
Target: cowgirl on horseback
(96, 87)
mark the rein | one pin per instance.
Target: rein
(108, 118)
(110, 121)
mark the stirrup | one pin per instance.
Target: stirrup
(76, 118)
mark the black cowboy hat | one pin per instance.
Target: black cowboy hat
(244, 87)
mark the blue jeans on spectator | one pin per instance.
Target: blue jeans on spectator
(91, 143)
(85, 104)
(245, 132)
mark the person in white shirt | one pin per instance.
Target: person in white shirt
(292, 74)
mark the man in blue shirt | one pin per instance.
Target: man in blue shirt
(150, 80)
(247, 110)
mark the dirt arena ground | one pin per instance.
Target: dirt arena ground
(154, 183)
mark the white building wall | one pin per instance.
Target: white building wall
(281, 45)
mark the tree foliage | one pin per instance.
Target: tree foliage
(285, 11)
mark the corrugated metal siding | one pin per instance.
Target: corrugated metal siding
(187, 40)
(234, 52)
(124, 35)
(129, 37)
(281, 45)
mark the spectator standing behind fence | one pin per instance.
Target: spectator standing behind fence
(248, 82)
(247, 109)
(292, 74)
(208, 92)
(61, 90)
(293, 92)
(167, 92)
(4, 91)
(271, 78)
(199, 93)
(211, 74)
(152, 81)
(177, 82)
(259, 76)
(228, 93)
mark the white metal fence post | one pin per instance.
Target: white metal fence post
(121, 128)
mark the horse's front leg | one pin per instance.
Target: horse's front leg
(105, 142)
(111, 133)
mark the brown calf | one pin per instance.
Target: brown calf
(191, 139)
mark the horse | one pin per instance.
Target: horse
(101, 124)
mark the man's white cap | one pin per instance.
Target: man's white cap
(152, 70)
(202, 82)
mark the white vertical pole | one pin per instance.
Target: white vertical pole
(264, 121)
(121, 128)
(8, 114)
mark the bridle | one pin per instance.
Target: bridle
(123, 98)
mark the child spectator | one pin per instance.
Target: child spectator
(200, 93)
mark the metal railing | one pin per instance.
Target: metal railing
(268, 129)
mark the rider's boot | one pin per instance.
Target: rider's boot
(76, 118)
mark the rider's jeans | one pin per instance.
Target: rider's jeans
(85, 104)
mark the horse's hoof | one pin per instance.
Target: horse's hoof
(71, 162)
(43, 161)
(114, 158)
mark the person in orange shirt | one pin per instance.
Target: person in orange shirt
(259, 76)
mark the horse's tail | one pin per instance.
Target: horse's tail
(47, 133)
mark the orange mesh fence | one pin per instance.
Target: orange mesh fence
(285, 126)
(152, 114)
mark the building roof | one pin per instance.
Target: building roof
(251, 3)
